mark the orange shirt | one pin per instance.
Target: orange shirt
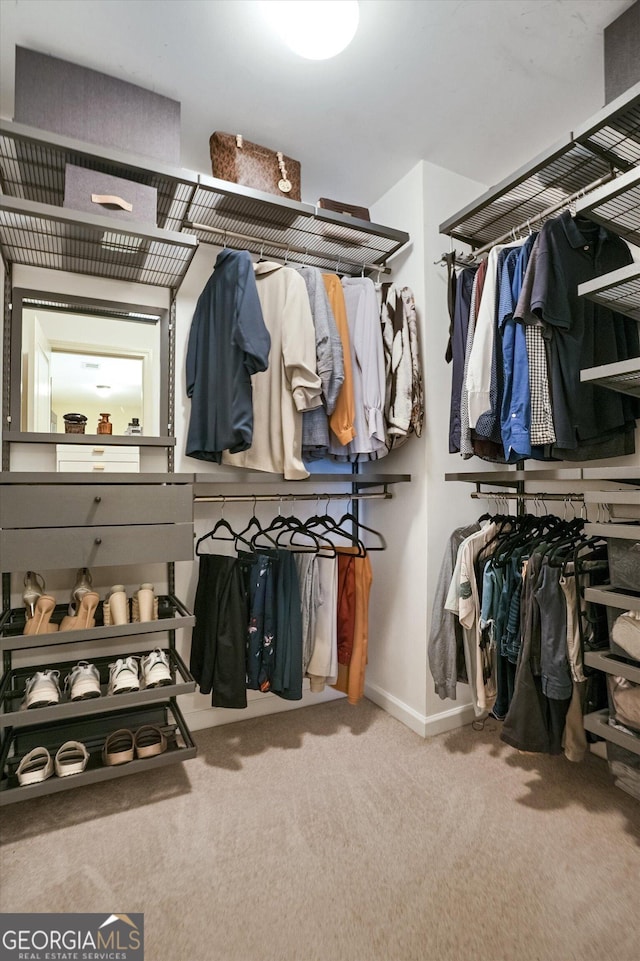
(342, 419)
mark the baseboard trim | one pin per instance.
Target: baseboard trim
(425, 726)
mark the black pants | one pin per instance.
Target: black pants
(220, 634)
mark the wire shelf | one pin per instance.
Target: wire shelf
(38, 235)
(270, 225)
(623, 376)
(618, 290)
(616, 206)
(32, 166)
(610, 141)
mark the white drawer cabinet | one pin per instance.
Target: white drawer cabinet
(97, 459)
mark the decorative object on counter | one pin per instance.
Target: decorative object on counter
(74, 423)
(351, 210)
(238, 160)
(42, 690)
(134, 426)
(104, 424)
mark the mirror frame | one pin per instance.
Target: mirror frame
(118, 310)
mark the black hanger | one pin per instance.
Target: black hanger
(213, 534)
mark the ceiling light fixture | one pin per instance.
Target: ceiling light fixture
(315, 29)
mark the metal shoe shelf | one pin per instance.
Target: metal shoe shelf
(93, 731)
(36, 229)
(12, 622)
(12, 690)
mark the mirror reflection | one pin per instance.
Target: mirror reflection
(89, 365)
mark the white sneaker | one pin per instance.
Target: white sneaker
(83, 682)
(155, 669)
(42, 689)
(123, 676)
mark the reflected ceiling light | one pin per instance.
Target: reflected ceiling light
(315, 29)
(103, 390)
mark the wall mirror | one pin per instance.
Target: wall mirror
(77, 356)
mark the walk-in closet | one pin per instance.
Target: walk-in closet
(320, 486)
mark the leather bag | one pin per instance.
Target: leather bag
(338, 207)
(235, 159)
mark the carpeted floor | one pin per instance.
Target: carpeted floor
(334, 833)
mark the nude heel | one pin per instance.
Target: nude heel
(115, 609)
(33, 589)
(40, 622)
(144, 604)
(85, 618)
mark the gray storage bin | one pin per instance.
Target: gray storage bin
(625, 768)
(77, 102)
(89, 191)
(624, 562)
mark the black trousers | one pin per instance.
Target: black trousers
(220, 634)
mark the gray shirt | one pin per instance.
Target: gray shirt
(329, 366)
(446, 655)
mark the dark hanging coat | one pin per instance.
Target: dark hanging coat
(228, 342)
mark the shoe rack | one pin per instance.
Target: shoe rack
(53, 521)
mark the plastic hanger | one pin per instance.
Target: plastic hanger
(220, 525)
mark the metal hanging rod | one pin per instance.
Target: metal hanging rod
(521, 495)
(261, 498)
(260, 242)
(513, 234)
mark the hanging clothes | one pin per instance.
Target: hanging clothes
(462, 292)
(351, 676)
(529, 335)
(404, 392)
(217, 660)
(341, 421)
(367, 366)
(329, 366)
(228, 343)
(322, 668)
(291, 384)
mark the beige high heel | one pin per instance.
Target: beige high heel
(34, 587)
(40, 623)
(144, 604)
(85, 618)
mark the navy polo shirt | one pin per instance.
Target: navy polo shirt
(580, 333)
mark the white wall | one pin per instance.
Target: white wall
(417, 523)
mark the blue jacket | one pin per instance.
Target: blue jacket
(228, 342)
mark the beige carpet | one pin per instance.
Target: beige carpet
(333, 833)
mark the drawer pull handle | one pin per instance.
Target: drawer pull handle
(97, 499)
(98, 467)
(98, 450)
(98, 540)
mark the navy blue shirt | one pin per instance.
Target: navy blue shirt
(580, 333)
(457, 347)
(228, 342)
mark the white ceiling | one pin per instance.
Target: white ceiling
(477, 86)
